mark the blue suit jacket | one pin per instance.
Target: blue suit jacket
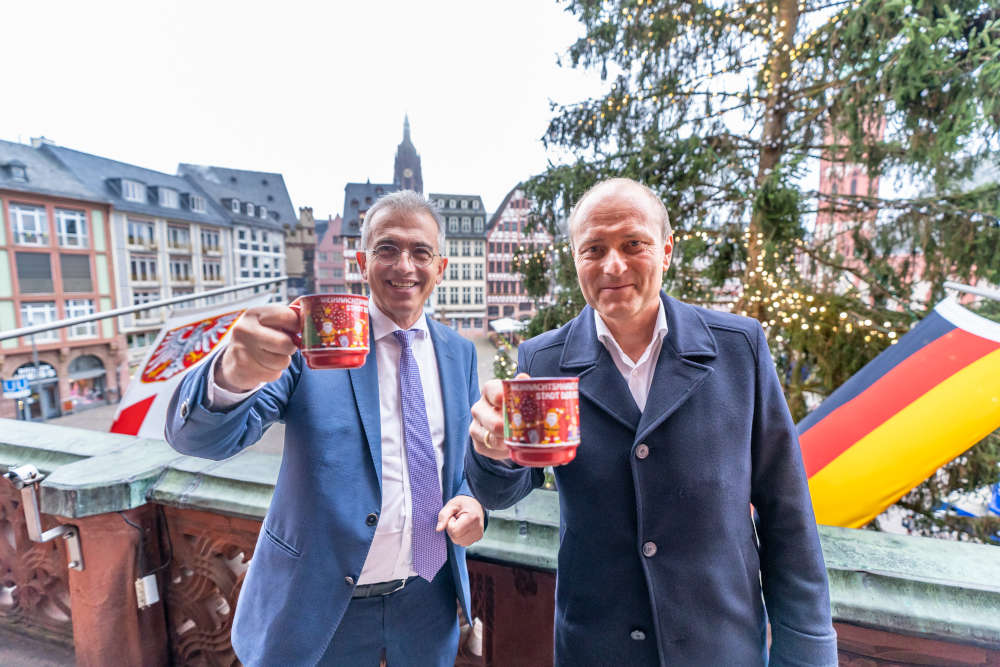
(315, 538)
(658, 559)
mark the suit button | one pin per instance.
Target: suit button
(349, 581)
(184, 410)
(649, 549)
(637, 635)
(371, 519)
(642, 451)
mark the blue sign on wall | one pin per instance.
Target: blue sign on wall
(16, 388)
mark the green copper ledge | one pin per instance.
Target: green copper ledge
(908, 585)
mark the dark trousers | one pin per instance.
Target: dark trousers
(413, 627)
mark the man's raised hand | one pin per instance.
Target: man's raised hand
(260, 350)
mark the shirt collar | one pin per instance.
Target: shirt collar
(383, 326)
(607, 338)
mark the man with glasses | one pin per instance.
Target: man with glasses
(361, 556)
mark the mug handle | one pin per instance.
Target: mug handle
(296, 305)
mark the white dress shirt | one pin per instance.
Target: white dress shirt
(638, 374)
(391, 553)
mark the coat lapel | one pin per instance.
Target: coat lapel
(364, 382)
(677, 375)
(452, 381)
(600, 380)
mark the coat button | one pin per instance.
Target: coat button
(642, 451)
(649, 549)
(349, 581)
(637, 635)
(184, 410)
(371, 519)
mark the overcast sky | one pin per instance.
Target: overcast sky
(316, 91)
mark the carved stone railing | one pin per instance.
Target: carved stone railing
(141, 508)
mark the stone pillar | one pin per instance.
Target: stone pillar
(108, 626)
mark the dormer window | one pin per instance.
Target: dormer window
(197, 203)
(465, 203)
(133, 190)
(250, 209)
(451, 203)
(168, 197)
(475, 204)
(263, 211)
(235, 205)
(17, 171)
(440, 203)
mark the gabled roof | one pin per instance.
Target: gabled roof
(101, 175)
(45, 174)
(492, 222)
(359, 197)
(260, 188)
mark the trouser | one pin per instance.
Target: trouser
(416, 626)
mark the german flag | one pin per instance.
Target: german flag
(913, 408)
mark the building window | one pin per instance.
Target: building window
(141, 233)
(168, 197)
(453, 272)
(234, 205)
(479, 272)
(466, 224)
(338, 273)
(442, 296)
(71, 227)
(198, 203)
(452, 248)
(479, 248)
(479, 297)
(179, 238)
(210, 241)
(524, 305)
(30, 224)
(478, 323)
(493, 311)
(250, 210)
(475, 204)
(263, 211)
(143, 268)
(180, 270)
(466, 272)
(133, 190)
(466, 248)
(141, 297)
(81, 308)
(451, 203)
(76, 273)
(479, 223)
(186, 291)
(466, 295)
(34, 272)
(211, 270)
(453, 296)
(452, 224)
(40, 312)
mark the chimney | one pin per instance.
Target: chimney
(38, 142)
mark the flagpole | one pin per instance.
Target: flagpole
(38, 328)
(971, 289)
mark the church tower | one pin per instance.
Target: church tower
(406, 174)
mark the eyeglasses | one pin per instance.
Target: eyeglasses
(388, 255)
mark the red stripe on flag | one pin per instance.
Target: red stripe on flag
(130, 419)
(909, 380)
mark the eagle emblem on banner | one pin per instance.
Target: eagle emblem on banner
(187, 345)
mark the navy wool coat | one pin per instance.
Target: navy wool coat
(315, 537)
(659, 561)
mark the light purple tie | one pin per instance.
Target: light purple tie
(430, 550)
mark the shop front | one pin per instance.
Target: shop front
(87, 384)
(43, 382)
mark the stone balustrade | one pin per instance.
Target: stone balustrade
(141, 508)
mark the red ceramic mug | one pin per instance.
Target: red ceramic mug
(541, 420)
(333, 329)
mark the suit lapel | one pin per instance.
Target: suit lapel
(452, 381)
(677, 375)
(364, 382)
(600, 381)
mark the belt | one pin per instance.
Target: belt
(381, 588)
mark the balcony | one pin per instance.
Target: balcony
(179, 248)
(141, 243)
(895, 599)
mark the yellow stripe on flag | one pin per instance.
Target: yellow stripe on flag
(906, 449)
